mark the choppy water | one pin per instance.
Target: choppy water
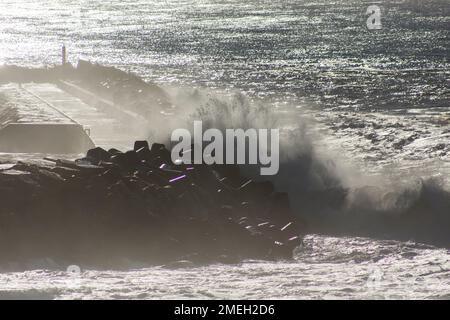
(319, 51)
(326, 268)
(313, 53)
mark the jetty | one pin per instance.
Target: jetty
(73, 190)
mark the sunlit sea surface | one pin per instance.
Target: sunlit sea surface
(310, 53)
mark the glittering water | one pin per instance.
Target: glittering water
(326, 268)
(319, 51)
(313, 53)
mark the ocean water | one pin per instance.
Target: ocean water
(315, 57)
(325, 268)
(319, 51)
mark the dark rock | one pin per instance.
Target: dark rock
(131, 158)
(158, 147)
(144, 154)
(161, 154)
(126, 161)
(112, 174)
(140, 144)
(113, 151)
(98, 154)
(257, 189)
(123, 206)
